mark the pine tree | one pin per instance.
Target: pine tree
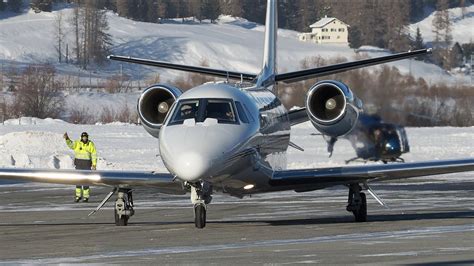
(462, 4)
(122, 8)
(59, 34)
(355, 40)
(162, 7)
(211, 9)
(419, 43)
(90, 27)
(76, 25)
(233, 8)
(41, 5)
(182, 8)
(152, 11)
(437, 27)
(305, 14)
(195, 8)
(396, 15)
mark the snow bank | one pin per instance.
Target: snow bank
(129, 147)
(33, 121)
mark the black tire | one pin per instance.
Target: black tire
(200, 216)
(361, 214)
(120, 221)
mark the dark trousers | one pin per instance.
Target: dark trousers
(83, 165)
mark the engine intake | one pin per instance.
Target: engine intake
(154, 104)
(332, 107)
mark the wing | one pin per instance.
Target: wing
(163, 182)
(298, 116)
(333, 69)
(310, 179)
(192, 69)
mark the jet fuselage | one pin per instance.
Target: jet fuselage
(224, 133)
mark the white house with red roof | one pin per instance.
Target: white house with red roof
(327, 30)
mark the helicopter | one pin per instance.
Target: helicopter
(375, 140)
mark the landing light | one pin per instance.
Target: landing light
(250, 186)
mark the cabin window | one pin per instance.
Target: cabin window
(242, 115)
(249, 113)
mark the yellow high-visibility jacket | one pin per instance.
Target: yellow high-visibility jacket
(83, 151)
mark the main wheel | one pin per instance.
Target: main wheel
(120, 221)
(361, 214)
(200, 215)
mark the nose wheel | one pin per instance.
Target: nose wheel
(200, 197)
(200, 215)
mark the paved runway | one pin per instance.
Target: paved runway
(429, 221)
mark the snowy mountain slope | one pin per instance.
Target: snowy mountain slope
(462, 28)
(233, 44)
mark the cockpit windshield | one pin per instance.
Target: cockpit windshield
(221, 110)
(200, 109)
(185, 110)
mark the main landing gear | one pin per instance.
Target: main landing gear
(357, 203)
(123, 207)
(200, 197)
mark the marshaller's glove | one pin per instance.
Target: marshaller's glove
(65, 136)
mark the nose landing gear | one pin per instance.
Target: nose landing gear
(200, 197)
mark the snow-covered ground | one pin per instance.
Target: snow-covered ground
(36, 143)
(232, 43)
(462, 27)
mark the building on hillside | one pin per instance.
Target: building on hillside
(327, 30)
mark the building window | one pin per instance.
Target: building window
(341, 30)
(333, 30)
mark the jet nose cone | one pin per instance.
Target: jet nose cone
(191, 166)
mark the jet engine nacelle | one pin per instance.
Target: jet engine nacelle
(154, 104)
(332, 108)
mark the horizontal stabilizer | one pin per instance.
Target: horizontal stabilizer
(192, 69)
(333, 69)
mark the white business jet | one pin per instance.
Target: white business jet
(230, 137)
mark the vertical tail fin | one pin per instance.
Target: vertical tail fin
(267, 76)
